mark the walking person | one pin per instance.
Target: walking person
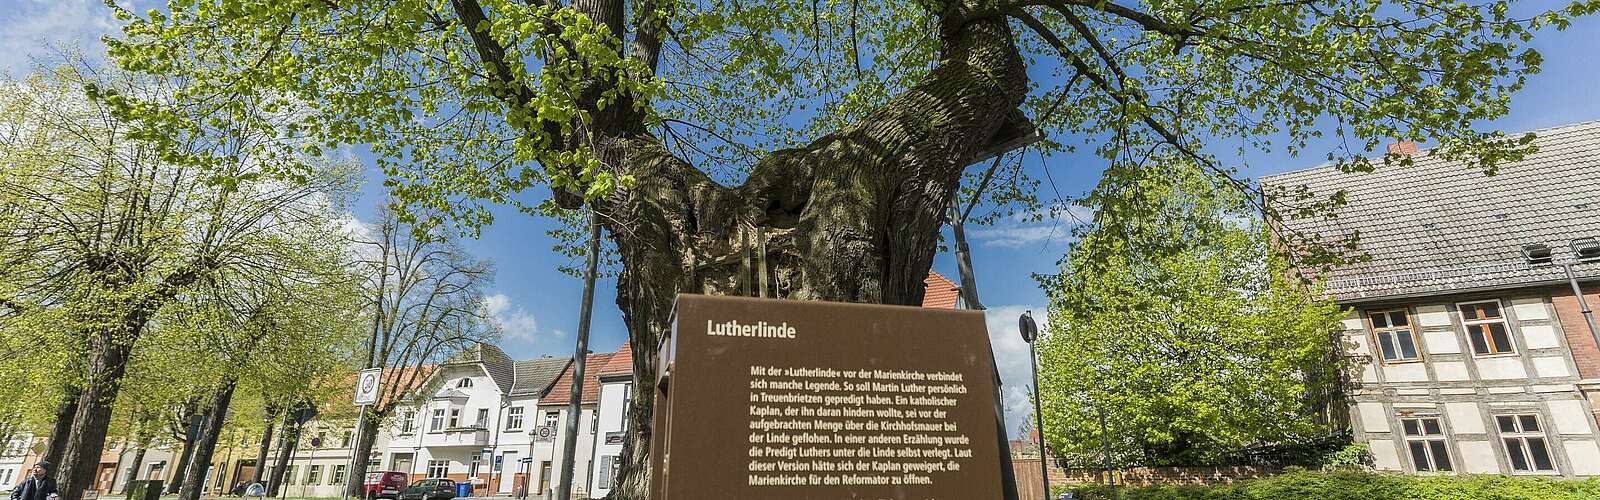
(38, 486)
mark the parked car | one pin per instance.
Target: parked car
(430, 489)
(385, 484)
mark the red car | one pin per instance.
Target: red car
(386, 484)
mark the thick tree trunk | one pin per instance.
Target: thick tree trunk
(108, 359)
(133, 469)
(289, 440)
(61, 429)
(266, 444)
(205, 444)
(363, 445)
(861, 207)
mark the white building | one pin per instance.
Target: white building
(473, 421)
(1470, 352)
(611, 410)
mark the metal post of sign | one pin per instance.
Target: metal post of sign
(569, 448)
(350, 465)
(1030, 333)
(366, 394)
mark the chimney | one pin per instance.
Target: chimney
(1403, 148)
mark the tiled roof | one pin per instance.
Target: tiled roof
(561, 392)
(1439, 226)
(500, 367)
(939, 292)
(535, 376)
(621, 363)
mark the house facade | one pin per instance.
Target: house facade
(1470, 351)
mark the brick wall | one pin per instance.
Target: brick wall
(1576, 329)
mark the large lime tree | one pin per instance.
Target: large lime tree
(834, 131)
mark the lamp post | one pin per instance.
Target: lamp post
(1030, 332)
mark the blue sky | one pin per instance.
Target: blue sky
(538, 306)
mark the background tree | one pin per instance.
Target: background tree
(110, 222)
(837, 130)
(424, 294)
(1173, 316)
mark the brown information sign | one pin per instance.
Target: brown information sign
(789, 399)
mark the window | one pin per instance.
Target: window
(438, 420)
(321, 439)
(288, 474)
(1525, 444)
(314, 474)
(344, 440)
(1486, 327)
(338, 475)
(607, 470)
(1396, 341)
(1425, 439)
(455, 418)
(408, 421)
(627, 402)
(465, 383)
(438, 468)
(550, 418)
(474, 463)
(483, 417)
(514, 418)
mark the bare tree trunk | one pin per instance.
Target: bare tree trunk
(969, 283)
(108, 360)
(187, 421)
(363, 449)
(133, 469)
(205, 444)
(288, 441)
(61, 429)
(266, 443)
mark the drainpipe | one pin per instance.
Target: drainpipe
(1583, 306)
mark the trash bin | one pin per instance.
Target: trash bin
(463, 489)
(145, 490)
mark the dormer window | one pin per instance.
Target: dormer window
(465, 383)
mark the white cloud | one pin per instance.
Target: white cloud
(36, 29)
(1011, 357)
(1052, 225)
(514, 322)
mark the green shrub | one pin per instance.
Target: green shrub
(1358, 485)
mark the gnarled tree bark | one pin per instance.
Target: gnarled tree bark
(859, 209)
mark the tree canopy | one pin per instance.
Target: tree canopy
(833, 133)
(1174, 317)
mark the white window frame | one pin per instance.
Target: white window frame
(436, 423)
(1393, 332)
(1466, 326)
(464, 383)
(337, 477)
(455, 418)
(1428, 439)
(1521, 435)
(442, 466)
(514, 418)
(408, 421)
(313, 474)
(483, 418)
(552, 418)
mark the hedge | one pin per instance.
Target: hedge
(1355, 485)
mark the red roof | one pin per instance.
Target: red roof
(939, 292)
(561, 392)
(621, 362)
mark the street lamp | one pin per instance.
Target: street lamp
(1030, 332)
